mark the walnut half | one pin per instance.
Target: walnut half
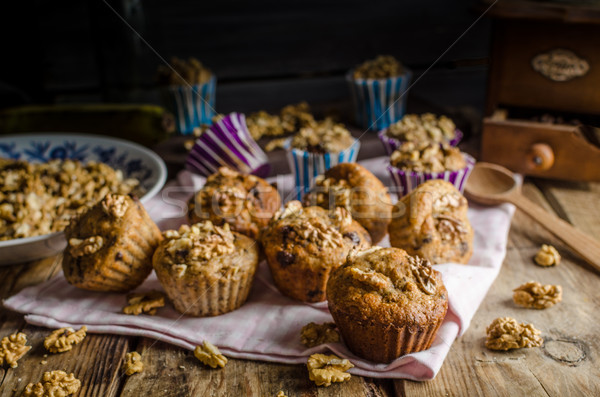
(324, 369)
(63, 339)
(210, 355)
(536, 295)
(505, 333)
(133, 363)
(78, 247)
(316, 334)
(144, 302)
(53, 384)
(12, 348)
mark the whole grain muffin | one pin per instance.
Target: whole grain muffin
(110, 246)
(245, 202)
(303, 246)
(432, 222)
(387, 303)
(206, 270)
(355, 188)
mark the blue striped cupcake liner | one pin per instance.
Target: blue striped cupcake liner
(228, 143)
(379, 102)
(306, 166)
(407, 181)
(192, 106)
(390, 144)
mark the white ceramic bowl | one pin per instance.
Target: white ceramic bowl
(134, 160)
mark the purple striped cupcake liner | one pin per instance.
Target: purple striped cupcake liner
(390, 144)
(407, 181)
(228, 143)
(192, 106)
(306, 166)
(379, 102)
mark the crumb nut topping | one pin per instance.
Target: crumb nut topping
(325, 136)
(210, 355)
(144, 302)
(115, 205)
(324, 369)
(339, 189)
(63, 339)
(133, 363)
(317, 334)
(382, 67)
(201, 241)
(547, 256)
(505, 333)
(537, 296)
(427, 157)
(53, 384)
(90, 245)
(426, 127)
(12, 348)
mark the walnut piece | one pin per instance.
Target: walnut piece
(78, 247)
(324, 369)
(537, 296)
(210, 355)
(384, 66)
(200, 241)
(144, 302)
(423, 273)
(281, 393)
(314, 334)
(63, 339)
(53, 384)
(12, 348)
(323, 137)
(427, 157)
(133, 363)
(547, 256)
(424, 128)
(115, 205)
(505, 333)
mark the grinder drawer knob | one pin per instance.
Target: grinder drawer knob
(540, 157)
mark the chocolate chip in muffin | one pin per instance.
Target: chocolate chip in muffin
(353, 236)
(285, 258)
(118, 256)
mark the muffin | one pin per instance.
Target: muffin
(110, 246)
(414, 163)
(355, 188)
(206, 270)
(387, 303)
(432, 222)
(426, 128)
(303, 246)
(245, 202)
(379, 89)
(315, 149)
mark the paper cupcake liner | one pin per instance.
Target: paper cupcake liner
(407, 181)
(390, 144)
(379, 102)
(192, 106)
(228, 143)
(383, 343)
(306, 166)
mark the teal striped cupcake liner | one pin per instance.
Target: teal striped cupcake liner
(379, 102)
(192, 106)
(306, 166)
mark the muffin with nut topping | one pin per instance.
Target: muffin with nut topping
(387, 303)
(110, 246)
(432, 222)
(355, 188)
(304, 244)
(205, 269)
(245, 202)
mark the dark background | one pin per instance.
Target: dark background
(265, 53)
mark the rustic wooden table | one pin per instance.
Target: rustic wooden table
(565, 366)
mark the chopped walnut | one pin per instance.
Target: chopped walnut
(427, 157)
(324, 137)
(78, 247)
(133, 363)
(292, 208)
(210, 355)
(144, 302)
(384, 66)
(63, 339)
(184, 72)
(53, 384)
(423, 273)
(328, 188)
(281, 393)
(12, 348)
(537, 296)
(547, 256)
(450, 228)
(505, 333)
(316, 334)
(324, 369)
(115, 205)
(375, 280)
(200, 241)
(424, 128)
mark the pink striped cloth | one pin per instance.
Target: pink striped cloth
(267, 327)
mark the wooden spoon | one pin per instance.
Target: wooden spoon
(491, 184)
